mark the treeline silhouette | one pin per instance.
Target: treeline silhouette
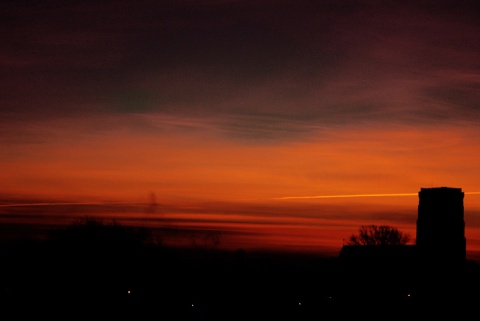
(107, 270)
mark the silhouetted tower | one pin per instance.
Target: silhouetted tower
(441, 225)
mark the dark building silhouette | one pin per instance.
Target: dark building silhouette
(441, 225)
(440, 235)
(433, 272)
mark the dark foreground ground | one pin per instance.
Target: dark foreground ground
(96, 280)
(203, 285)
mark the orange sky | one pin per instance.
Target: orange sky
(232, 113)
(257, 194)
(69, 160)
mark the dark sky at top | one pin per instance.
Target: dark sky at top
(312, 62)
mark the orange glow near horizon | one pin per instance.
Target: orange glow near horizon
(357, 176)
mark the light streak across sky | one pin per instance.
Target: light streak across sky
(345, 196)
(355, 196)
(64, 204)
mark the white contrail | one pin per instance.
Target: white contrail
(345, 196)
(355, 195)
(63, 203)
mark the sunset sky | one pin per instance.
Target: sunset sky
(271, 124)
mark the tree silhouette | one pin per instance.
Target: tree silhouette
(378, 235)
(94, 234)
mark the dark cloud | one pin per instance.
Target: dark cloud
(291, 65)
